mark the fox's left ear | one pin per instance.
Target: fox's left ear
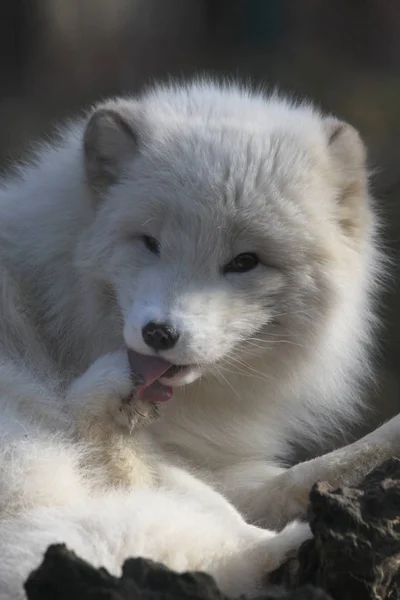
(110, 143)
(346, 146)
(348, 158)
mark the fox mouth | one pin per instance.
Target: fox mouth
(155, 376)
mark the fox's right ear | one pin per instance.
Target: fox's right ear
(110, 144)
(348, 159)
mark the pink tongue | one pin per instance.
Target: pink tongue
(150, 369)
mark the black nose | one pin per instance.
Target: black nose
(160, 336)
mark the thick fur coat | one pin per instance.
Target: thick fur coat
(246, 224)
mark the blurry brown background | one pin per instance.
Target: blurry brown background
(59, 55)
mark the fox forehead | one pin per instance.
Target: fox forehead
(222, 164)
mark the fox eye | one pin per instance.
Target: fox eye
(242, 263)
(151, 244)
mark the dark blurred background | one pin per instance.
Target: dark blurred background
(57, 56)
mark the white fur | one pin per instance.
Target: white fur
(278, 354)
(176, 527)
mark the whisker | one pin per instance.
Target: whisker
(250, 370)
(222, 379)
(252, 342)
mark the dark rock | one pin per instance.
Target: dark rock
(355, 552)
(64, 576)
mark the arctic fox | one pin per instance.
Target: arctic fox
(219, 245)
